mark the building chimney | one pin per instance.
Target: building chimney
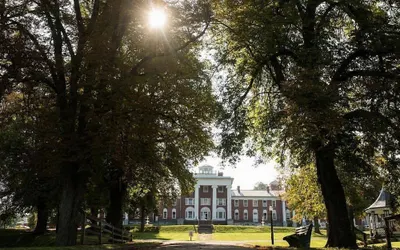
(268, 189)
(238, 189)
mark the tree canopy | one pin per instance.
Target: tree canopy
(311, 82)
(128, 103)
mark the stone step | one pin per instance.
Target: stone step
(205, 229)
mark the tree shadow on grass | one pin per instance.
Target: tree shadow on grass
(148, 236)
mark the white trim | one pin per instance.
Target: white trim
(255, 211)
(173, 213)
(165, 213)
(187, 210)
(221, 209)
(205, 213)
(236, 213)
(245, 212)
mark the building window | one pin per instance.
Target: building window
(189, 201)
(221, 214)
(288, 214)
(189, 213)
(245, 215)
(265, 215)
(274, 215)
(255, 215)
(273, 203)
(264, 203)
(245, 203)
(165, 213)
(236, 214)
(205, 201)
(221, 201)
(174, 213)
(205, 189)
(255, 203)
(174, 203)
(220, 189)
(236, 203)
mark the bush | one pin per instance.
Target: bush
(217, 229)
(250, 229)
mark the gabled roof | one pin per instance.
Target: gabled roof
(251, 193)
(383, 201)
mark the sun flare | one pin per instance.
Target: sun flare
(157, 18)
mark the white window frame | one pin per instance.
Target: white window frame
(255, 203)
(205, 189)
(274, 203)
(265, 203)
(274, 215)
(221, 202)
(236, 203)
(189, 209)
(220, 189)
(189, 201)
(221, 211)
(245, 203)
(205, 201)
(174, 203)
(174, 213)
(288, 214)
(265, 212)
(255, 212)
(236, 215)
(165, 213)
(245, 215)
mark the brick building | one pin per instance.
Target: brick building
(214, 200)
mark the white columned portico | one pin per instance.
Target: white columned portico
(229, 199)
(284, 213)
(214, 202)
(196, 202)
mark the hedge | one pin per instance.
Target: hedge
(217, 229)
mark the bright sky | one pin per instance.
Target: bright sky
(245, 174)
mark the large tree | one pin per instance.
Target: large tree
(95, 58)
(307, 79)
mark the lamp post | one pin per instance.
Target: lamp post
(272, 225)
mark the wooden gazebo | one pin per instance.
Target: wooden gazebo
(376, 213)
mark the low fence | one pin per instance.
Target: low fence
(96, 226)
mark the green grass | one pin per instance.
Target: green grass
(253, 238)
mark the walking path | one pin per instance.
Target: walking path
(203, 243)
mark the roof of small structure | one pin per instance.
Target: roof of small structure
(382, 201)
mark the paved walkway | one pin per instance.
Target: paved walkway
(203, 245)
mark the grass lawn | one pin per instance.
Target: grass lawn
(254, 238)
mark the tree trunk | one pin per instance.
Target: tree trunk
(117, 196)
(316, 225)
(71, 198)
(42, 218)
(142, 218)
(340, 233)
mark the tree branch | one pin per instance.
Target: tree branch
(78, 16)
(43, 54)
(372, 73)
(147, 58)
(338, 75)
